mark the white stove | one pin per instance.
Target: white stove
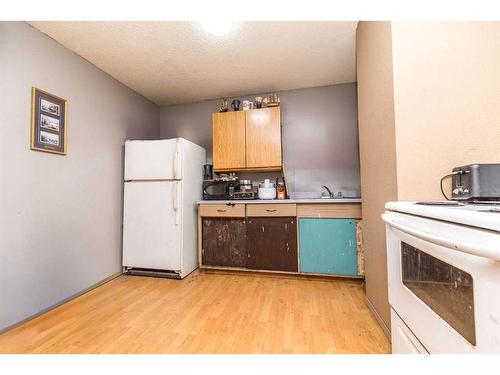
(481, 215)
(444, 276)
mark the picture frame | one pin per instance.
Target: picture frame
(48, 122)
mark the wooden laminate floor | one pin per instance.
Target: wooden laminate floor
(207, 313)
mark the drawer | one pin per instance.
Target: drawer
(332, 210)
(222, 210)
(265, 210)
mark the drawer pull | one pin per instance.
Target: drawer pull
(270, 210)
(219, 210)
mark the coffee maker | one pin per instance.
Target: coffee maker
(208, 172)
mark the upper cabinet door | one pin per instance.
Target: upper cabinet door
(228, 140)
(263, 138)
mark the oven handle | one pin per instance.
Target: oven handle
(491, 252)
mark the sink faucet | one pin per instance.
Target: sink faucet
(330, 194)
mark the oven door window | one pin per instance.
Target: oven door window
(447, 290)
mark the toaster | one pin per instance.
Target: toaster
(476, 182)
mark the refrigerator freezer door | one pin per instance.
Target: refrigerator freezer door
(151, 225)
(153, 160)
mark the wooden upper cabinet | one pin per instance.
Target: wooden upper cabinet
(228, 131)
(247, 140)
(263, 137)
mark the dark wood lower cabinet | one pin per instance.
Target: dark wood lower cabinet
(257, 243)
(223, 242)
(272, 244)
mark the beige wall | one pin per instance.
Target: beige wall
(377, 152)
(438, 108)
(447, 100)
(60, 216)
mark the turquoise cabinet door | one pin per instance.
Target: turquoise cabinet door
(328, 246)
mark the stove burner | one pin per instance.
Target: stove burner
(460, 203)
(494, 209)
(484, 203)
(441, 203)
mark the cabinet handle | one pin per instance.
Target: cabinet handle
(270, 210)
(219, 210)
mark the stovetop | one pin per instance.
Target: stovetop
(459, 203)
(479, 206)
(478, 213)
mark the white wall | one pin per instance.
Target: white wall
(60, 216)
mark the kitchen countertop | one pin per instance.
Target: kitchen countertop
(282, 201)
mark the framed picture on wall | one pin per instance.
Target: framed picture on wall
(48, 122)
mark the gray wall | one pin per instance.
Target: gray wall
(320, 135)
(60, 216)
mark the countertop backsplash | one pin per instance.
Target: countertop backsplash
(319, 134)
(306, 184)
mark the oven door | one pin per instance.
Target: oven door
(448, 297)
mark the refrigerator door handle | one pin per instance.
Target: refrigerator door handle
(177, 160)
(175, 164)
(175, 205)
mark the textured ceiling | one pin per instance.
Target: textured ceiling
(178, 62)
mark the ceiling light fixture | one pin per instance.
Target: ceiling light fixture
(217, 27)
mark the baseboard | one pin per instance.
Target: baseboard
(66, 300)
(378, 318)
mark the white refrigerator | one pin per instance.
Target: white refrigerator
(163, 182)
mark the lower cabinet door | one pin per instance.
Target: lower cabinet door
(272, 243)
(223, 242)
(328, 246)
